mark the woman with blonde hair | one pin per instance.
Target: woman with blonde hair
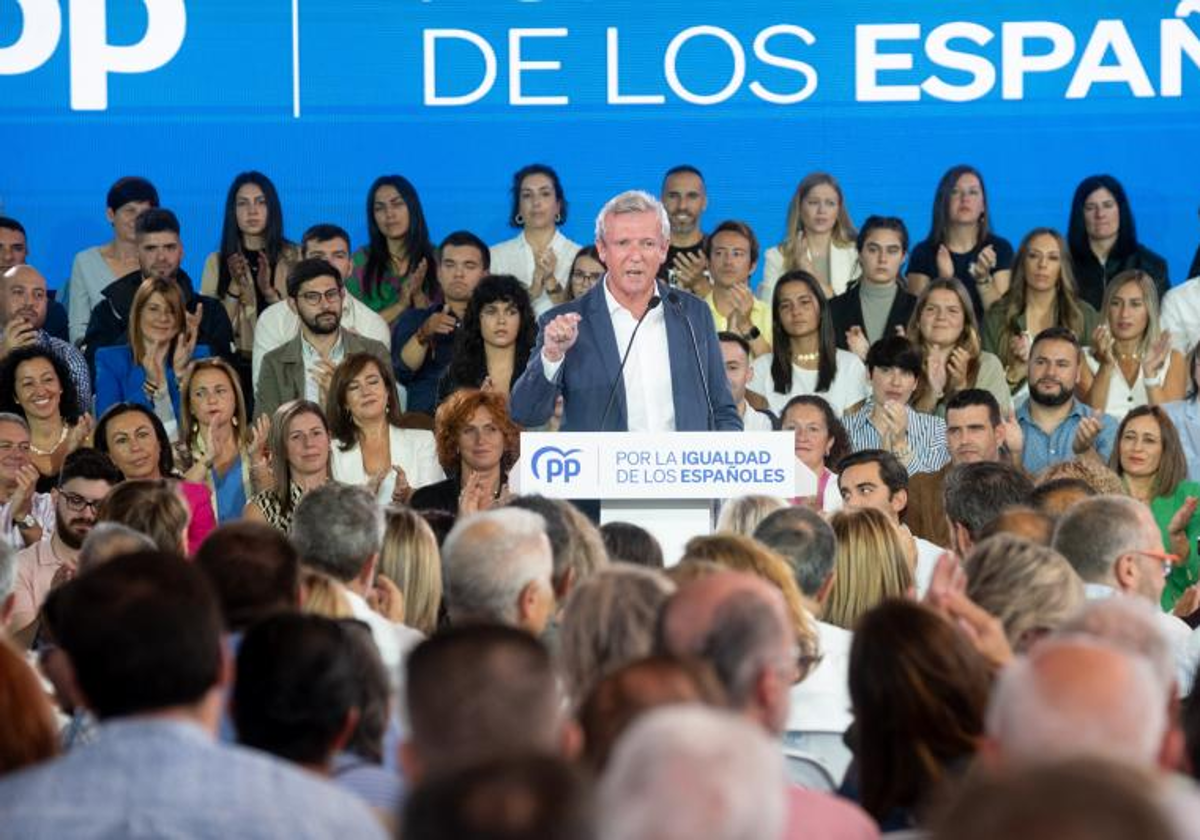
(410, 559)
(870, 565)
(151, 506)
(742, 515)
(299, 463)
(820, 238)
(322, 595)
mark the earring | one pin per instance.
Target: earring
(558, 218)
(519, 219)
(234, 421)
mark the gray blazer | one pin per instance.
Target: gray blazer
(282, 377)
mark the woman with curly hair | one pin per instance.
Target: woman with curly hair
(497, 335)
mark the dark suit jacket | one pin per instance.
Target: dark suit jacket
(282, 376)
(590, 368)
(846, 310)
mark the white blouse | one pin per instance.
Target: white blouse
(850, 384)
(844, 269)
(1123, 397)
(515, 257)
(413, 450)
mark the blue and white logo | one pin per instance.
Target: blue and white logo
(556, 464)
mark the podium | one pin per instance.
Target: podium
(670, 483)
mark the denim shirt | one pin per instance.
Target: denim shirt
(1043, 450)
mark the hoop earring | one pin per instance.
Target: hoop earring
(234, 421)
(558, 218)
(519, 219)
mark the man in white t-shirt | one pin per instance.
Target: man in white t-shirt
(736, 351)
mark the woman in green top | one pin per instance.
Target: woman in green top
(396, 269)
(1150, 461)
(1042, 294)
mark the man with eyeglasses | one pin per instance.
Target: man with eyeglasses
(26, 516)
(87, 476)
(302, 368)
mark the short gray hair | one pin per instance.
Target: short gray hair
(1096, 531)
(337, 528)
(1133, 625)
(488, 558)
(107, 540)
(693, 771)
(8, 570)
(634, 201)
(15, 419)
(804, 539)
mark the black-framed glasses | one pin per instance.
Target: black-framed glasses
(76, 503)
(314, 298)
(587, 276)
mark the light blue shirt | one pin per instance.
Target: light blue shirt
(1043, 450)
(1185, 414)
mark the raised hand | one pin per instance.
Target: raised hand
(185, 344)
(322, 373)
(1018, 347)
(1157, 355)
(857, 341)
(945, 262)
(984, 265)
(1086, 434)
(475, 495)
(689, 268)
(21, 499)
(442, 322)
(239, 273)
(1014, 436)
(260, 438)
(560, 335)
(18, 333)
(387, 599)
(1177, 527)
(937, 371)
(1102, 345)
(402, 491)
(957, 368)
(416, 285)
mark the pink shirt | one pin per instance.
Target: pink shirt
(36, 566)
(203, 521)
(822, 816)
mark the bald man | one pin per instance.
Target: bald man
(23, 306)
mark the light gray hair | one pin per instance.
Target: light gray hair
(8, 570)
(107, 540)
(687, 771)
(489, 558)
(634, 201)
(16, 419)
(1132, 625)
(1096, 531)
(337, 528)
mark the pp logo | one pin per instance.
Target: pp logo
(551, 463)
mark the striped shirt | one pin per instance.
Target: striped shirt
(926, 437)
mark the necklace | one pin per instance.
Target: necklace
(807, 357)
(63, 436)
(1127, 357)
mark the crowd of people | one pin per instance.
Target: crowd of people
(265, 568)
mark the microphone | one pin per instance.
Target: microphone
(673, 299)
(612, 392)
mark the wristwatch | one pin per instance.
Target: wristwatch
(754, 333)
(27, 522)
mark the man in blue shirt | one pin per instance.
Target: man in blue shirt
(1057, 427)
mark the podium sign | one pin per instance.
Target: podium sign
(657, 465)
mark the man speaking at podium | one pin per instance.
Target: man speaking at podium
(632, 354)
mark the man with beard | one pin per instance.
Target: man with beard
(685, 197)
(87, 476)
(1057, 427)
(301, 369)
(24, 304)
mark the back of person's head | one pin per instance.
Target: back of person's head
(107, 540)
(1131, 625)
(1055, 496)
(1075, 800)
(1032, 589)
(492, 561)
(28, 730)
(628, 543)
(295, 691)
(974, 494)
(1095, 532)
(692, 771)
(253, 569)
(1097, 476)
(337, 529)
(530, 797)
(476, 693)
(919, 691)
(410, 558)
(870, 565)
(576, 544)
(742, 515)
(320, 594)
(1076, 697)
(1023, 522)
(143, 634)
(804, 539)
(608, 620)
(151, 506)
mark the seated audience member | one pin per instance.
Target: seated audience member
(338, 530)
(1054, 497)
(684, 196)
(424, 338)
(887, 421)
(1115, 546)
(574, 540)
(975, 493)
(1085, 798)
(943, 324)
(732, 251)
(410, 559)
(1179, 314)
(279, 324)
(1042, 294)
(1185, 414)
(477, 444)
(587, 270)
(371, 447)
(302, 368)
(1131, 361)
(160, 252)
(975, 432)
(1032, 589)
(28, 729)
(497, 568)
(393, 271)
(961, 242)
(299, 463)
(919, 691)
(1055, 426)
(158, 713)
(322, 595)
(23, 313)
(492, 346)
(820, 239)
(870, 565)
(26, 516)
(879, 305)
(253, 570)
(628, 543)
(608, 622)
(739, 374)
(86, 478)
(1024, 522)
(227, 454)
(805, 358)
(479, 693)
(94, 269)
(14, 244)
(873, 478)
(151, 368)
(821, 443)
(1100, 480)
(554, 802)
(1131, 625)
(540, 256)
(1150, 462)
(134, 438)
(108, 540)
(742, 514)
(1104, 240)
(35, 385)
(151, 506)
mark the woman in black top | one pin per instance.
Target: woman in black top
(493, 344)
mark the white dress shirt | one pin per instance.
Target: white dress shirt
(312, 388)
(754, 420)
(1181, 315)
(278, 325)
(394, 641)
(42, 509)
(515, 256)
